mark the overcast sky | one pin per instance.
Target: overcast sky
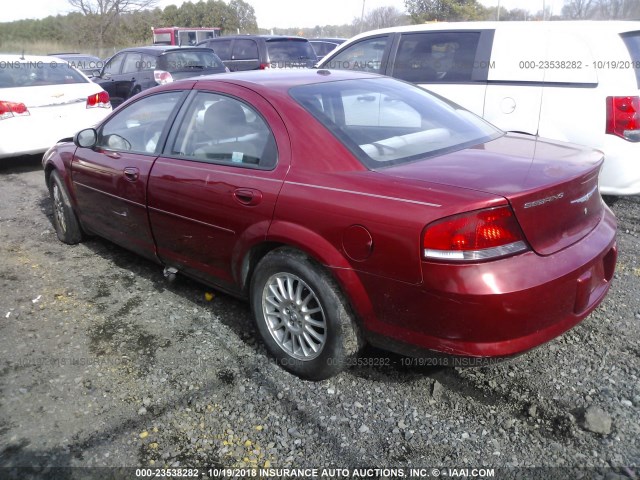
(270, 13)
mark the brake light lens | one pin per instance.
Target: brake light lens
(479, 235)
(264, 66)
(12, 109)
(623, 117)
(161, 77)
(98, 100)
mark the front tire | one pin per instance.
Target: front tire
(302, 316)
(64, 218)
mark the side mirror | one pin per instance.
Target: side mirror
(86, 138)
(95, 73)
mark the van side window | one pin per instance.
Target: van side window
(363, 56)
(245, 50)
(222, 48)
(436, 57)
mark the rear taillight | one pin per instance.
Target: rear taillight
(161, 77)
(264, 66)
(98, 100)
(12, 109)
(478, 235)
(623, 117)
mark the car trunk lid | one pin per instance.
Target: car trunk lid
(551, 186)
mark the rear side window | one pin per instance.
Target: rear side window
(18, 74)
(436, 57)
(632, 41)
(132, 63)
(363, 56)
(223, 130)
(245, 50)
(190, 60)
(289, 51)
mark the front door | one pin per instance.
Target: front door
(110, 180)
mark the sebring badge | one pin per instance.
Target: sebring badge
(542, 201)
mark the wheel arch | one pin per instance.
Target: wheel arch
(318, 250)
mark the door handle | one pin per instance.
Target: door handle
(247, 196)
(131, 174)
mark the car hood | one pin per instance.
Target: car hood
(551, 186)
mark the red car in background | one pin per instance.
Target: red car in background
(346, 207)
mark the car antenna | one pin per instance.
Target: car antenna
(22, 56)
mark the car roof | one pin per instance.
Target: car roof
(563, 25)
(159, 49)
(283, 80)
(328, 39)
(266, 37)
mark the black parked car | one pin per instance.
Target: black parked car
(257, 52)
(322, 46)
(132, 70)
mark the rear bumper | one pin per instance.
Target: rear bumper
(494, 309)
(620, 174)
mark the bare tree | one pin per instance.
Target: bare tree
(103, 15)
(579, 9)
(619, 9)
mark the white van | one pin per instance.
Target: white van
(573, 81)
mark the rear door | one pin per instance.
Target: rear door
(110, 180)
(213, 191)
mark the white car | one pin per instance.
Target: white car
(43, 100)
(572, 81)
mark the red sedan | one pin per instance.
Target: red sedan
(346, 207)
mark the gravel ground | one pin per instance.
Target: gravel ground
(104, 364)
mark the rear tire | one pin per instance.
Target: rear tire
(64, 218)
(302, 315)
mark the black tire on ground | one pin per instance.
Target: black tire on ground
(64, 218)
(303, 318)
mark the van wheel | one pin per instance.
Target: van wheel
(302, 316)
(64, 218)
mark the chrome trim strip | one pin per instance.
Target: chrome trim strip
(373, 195)
(111, 195)
(171, 214)
(484, 254)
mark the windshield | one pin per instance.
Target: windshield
(197, 60)
(37, 73)
(283, 52)
(386, 122)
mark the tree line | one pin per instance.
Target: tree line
(99, 25)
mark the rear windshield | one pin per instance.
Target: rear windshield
(31, 74)
(283, 52)
(632, 41)
(386, 122)
(191, 60)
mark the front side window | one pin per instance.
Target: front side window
(222, 48)
(436, 57)
(113, 66)
(138, 127)
(386, 122)
(221, 129)
(363, 56)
